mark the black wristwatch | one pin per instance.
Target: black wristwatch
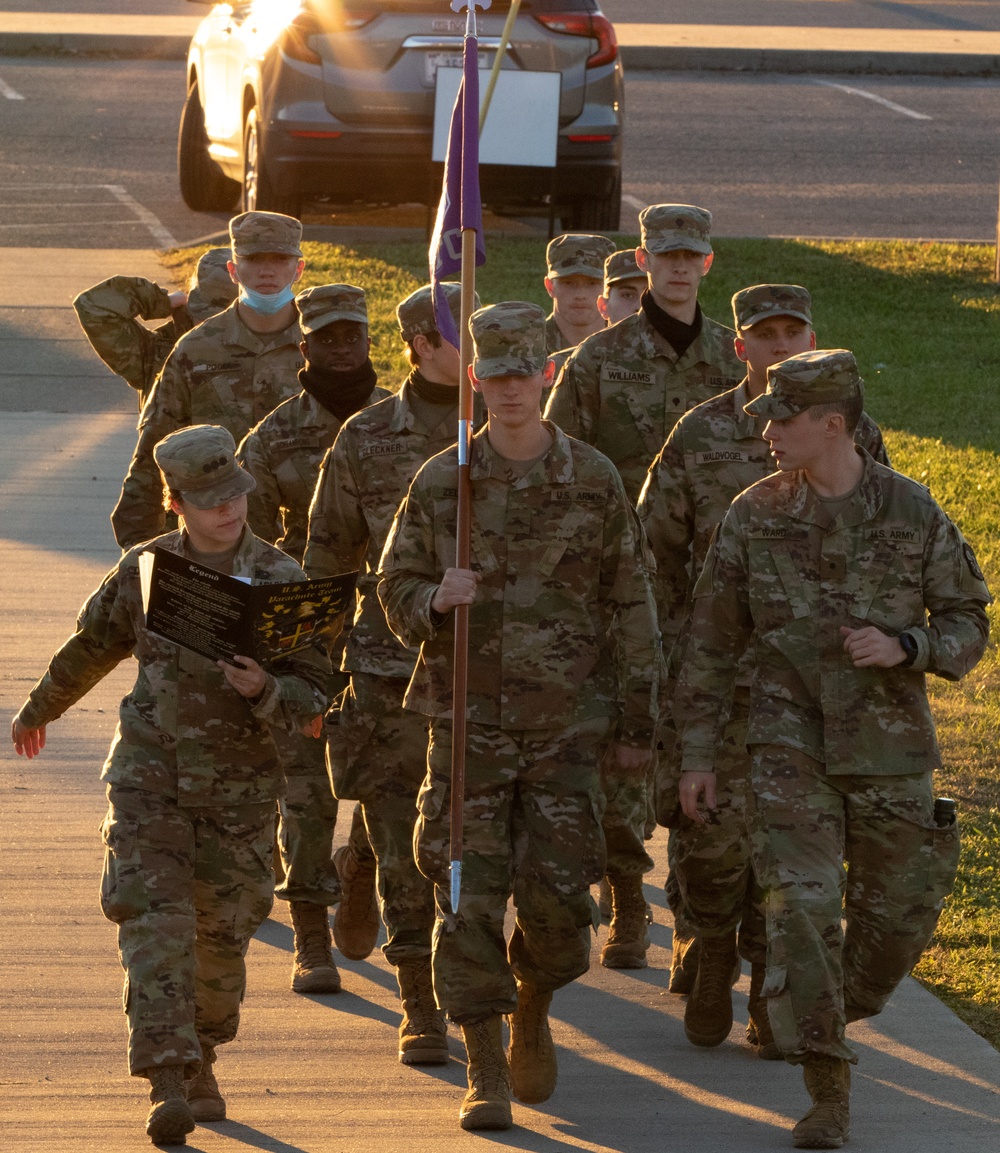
(910, 647)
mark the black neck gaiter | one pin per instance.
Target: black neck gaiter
(679, 336)
(342, 393)
(430, 391)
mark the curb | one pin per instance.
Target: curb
(638, 57)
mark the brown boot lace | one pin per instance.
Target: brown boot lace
(827, 1125)
(423, 1034)
(313, 970)
(170, 1118)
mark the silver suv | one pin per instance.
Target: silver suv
(292, 100)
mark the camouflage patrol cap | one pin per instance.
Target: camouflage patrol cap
(326, 303)
(199, 462)
(762, 301)
(255, 232)
(669, 227)
(415, 314)
(807, 379)
(509, 340)
(578, 254)
(213, 288)
(621, 265)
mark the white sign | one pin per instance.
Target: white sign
(522, 127)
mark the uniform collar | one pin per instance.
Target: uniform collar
(799, 501)
(556, 467)
(747, 427)
(237, 333)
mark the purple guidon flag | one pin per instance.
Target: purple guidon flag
(460, 206)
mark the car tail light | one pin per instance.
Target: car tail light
(294, 40)
(598, 28)
(592, 139)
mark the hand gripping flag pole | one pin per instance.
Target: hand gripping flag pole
(457, 246)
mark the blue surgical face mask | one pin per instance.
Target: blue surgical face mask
(267, 304)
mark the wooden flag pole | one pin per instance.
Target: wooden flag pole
(463, 551)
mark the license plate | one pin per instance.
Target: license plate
(435, 60)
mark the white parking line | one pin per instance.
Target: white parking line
(634, 201)
(871, 96)
(156, 229)
(141, 216)
(8, 92)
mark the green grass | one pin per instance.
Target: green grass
(924, 323)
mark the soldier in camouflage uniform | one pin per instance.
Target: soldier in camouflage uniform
(714, 452)
(849, 583)
(192, 778)
(624, 284)
(110, 312)
(575, 263)
(377, 750)
(283, 454)
(623, 390)
(231, 370)
(563, 656)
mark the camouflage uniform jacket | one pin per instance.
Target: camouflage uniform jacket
(783, 571)
(362, 483)
(625, 388)
(564, 613)
(714, 452)
(108, 315)
(218, 373)
(554, 339)
(283, 454)
(183, 731)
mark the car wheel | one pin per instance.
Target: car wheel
(259, 194)
(600, 215)
(204, 186)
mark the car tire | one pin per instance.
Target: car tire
(204, 186)
(599, 215)
(259, 193)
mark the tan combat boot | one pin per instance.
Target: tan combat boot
(356, 922)
(708, 1015)
(487, 1103)
(170, 1119)
(313, 970)
(759, 1034)
(423, 1034)
(203, 1096)
(686, 951)
(532, 1056)
(628, 938)
(827, 1125)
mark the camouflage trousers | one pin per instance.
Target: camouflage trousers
(805, 825)
(533, 808)
(711, 887)
(625, 820)
(377, 753)
(307, 815)
(187, 889)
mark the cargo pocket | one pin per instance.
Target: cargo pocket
(431, 834)
(123, 887)
(780, 1011)
(945, 847)
(348, 731)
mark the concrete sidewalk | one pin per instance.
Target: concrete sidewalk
(319, 1074)
(724, 47)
